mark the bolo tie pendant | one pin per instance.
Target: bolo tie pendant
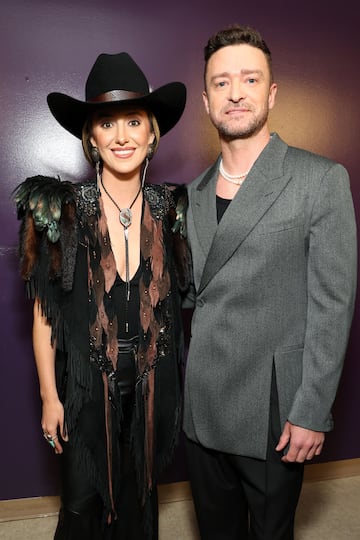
(125, 218)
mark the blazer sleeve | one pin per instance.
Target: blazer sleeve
(331, 287)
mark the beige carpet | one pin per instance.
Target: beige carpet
(328, 510)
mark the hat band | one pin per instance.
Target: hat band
(115, 95)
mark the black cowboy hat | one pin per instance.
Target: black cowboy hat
(117, 79)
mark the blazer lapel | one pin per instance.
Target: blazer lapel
(262, 187)
(204, 209)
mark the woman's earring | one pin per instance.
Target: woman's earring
(95, 156)
(150, 151)
(144, 171)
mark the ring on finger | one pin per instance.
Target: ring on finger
(50, 439)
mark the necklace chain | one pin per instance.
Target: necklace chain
(237, 179)
(125, 217)
(125, 214)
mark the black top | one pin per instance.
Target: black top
(221, 206)
(127, 312)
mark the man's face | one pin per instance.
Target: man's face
(239, 92)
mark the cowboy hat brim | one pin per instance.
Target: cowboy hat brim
(167, 103)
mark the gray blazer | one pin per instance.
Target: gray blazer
(275, 285)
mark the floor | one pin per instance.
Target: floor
(328, 510)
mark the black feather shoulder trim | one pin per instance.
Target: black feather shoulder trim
(46, 207)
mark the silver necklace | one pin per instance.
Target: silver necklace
(125, 214)
(237, 179)
(125, 218)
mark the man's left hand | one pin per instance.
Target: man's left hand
(303, 443)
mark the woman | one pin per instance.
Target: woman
(104, 262)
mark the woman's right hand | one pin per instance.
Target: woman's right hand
(52, 422)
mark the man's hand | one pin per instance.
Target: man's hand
(303, 443)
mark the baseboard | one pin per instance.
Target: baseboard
(316, 472)
(32, 507)
(18, 509)
(177, 491)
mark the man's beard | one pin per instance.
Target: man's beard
(231, 132)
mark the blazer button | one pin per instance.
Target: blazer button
(200, 302)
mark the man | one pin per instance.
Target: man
(273, 240)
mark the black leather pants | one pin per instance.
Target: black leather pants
(82, 512)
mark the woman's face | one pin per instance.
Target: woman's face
(122, 136)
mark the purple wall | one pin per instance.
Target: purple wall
(50, 46)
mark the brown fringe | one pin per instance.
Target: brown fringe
(29, 246)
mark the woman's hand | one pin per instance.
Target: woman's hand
(52, 420)
(53, 424)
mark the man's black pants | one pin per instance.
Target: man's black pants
(241, 498)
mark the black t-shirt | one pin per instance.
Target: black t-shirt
(221, 206)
